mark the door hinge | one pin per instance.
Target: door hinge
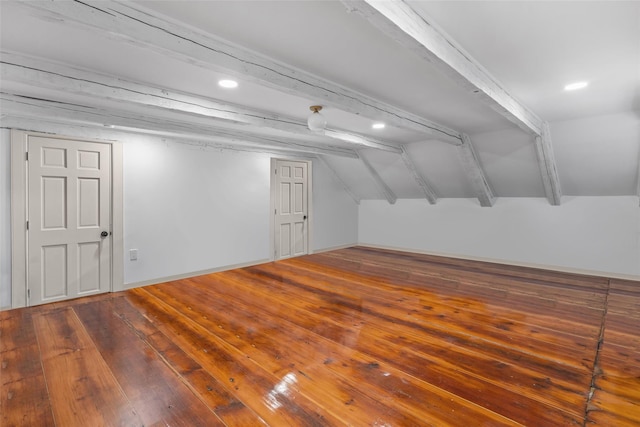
(26, 156)
(275, 172)
(27, 225)
(28, 293)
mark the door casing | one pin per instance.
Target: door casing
(19, 188)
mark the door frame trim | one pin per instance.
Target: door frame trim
(272, 204)
(19, 213)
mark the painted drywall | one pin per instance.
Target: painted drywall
(598, 156)
(591, 234)
(189, 208)
(5, 218)
(335, 213)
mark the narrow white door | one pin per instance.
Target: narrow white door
(291, 209)
(69, 214)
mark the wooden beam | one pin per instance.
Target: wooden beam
(337, 177)
(139, 26)
(422, 36)
(382, 186)
(360, 140)
(420, 179)
(92, 132)
(45, 74)
(547, 164)
(21, 106)
(475, 173)
(419, 34)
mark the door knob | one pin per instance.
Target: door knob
(305, 217)
(104, 233)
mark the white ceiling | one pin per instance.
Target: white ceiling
(531, 48)
(536, 47)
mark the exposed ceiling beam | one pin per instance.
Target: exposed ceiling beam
(140, 27)
(335, 174)
(362, 141)
(475, 173)
(398, 20)
(547, 164)
(44, 74)
(422, 36)
(421, 180)
(91, 132)
(21, 106)
(382, 186)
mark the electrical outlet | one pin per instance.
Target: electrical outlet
(133, 254)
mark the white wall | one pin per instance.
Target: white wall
(596, 234)
(189, 209)
(5, 218)
(598, 156)
(335, 214)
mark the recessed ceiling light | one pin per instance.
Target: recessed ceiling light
(228, 84)
(378, 126)
(576, 86)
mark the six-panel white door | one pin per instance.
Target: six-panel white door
(291, 231)
(69, 213)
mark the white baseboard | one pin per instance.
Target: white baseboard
(193, 274)
(217, 269)
(561, 269)
(334, 248)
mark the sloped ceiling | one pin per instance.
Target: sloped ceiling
(471, 92)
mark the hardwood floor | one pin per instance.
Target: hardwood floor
(358, 336)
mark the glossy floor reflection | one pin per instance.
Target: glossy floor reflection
(358, 336)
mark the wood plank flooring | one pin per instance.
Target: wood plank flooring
(359, 336)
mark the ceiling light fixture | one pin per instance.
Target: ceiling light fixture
(576, 86)
(316, 121)
(378, 126)
(228, 84)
